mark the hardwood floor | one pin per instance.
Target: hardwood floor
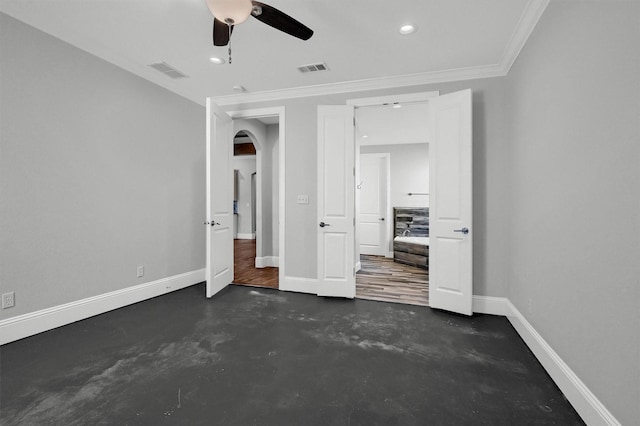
(379, 279)
(245, 272)
(384, 280)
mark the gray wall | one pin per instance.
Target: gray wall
(100, 171)
(409, 172)
(574, 159)
(490, 182)
(246, 166)
(265, 138)
(273, 231)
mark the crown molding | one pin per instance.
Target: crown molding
(362, 85)
(527, 22)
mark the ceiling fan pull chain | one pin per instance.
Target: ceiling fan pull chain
(229, 27)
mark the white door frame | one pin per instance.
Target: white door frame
(266, 112)
(459, 303)
(258, 202)
(380, 100)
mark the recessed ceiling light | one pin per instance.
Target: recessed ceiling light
(216, 60)
(365, 136)
(407, 29)
(396, 105)
(239, 88)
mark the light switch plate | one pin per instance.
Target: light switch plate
(303, 199)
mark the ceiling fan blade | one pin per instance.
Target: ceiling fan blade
(280, 21)
(221, 33)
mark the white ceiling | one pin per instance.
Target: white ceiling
(358, 39)
(384, 125)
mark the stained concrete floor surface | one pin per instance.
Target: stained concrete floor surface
(262, 357)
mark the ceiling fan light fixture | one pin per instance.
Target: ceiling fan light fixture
(407, 29)
(231, 12)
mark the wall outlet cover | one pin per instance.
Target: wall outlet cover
(8, 300)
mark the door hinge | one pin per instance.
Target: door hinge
(354, 221)
(354, 172)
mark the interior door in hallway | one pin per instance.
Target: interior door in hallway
(373, 187)
(219, 262)
(336, 201)
(450, 203)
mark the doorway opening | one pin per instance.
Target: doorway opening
(392, 202)
(255, 216)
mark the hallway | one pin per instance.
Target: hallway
(245, 272)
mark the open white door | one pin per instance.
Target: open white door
(219, 272)
(450, 208)
(336, 202)
(372, 225)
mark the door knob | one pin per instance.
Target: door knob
(207, 223)
(465, 231)
(214, 223)
(322, 224)
(382, 219)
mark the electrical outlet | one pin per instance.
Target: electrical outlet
(303, 199)
(8, 300)
(140, 271)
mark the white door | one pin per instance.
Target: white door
(336, 203)
(219, 272)
(372, 225)
(450, 208)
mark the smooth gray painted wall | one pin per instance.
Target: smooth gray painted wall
(246, 166)
(574, 159)
(490, 182)
(409, 172)
(100, 171)
(273, 138)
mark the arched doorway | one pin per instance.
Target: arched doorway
(253, 213)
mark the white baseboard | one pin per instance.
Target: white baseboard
(246, 236)
(489, 305)
(299, 285)
(592, 411)
(26, 325)
(267, 262)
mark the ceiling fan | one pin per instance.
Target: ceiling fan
(228, 13)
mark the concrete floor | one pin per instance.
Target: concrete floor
(259, 356)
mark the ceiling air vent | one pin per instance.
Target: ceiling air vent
(167, 70)
(313, 68)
